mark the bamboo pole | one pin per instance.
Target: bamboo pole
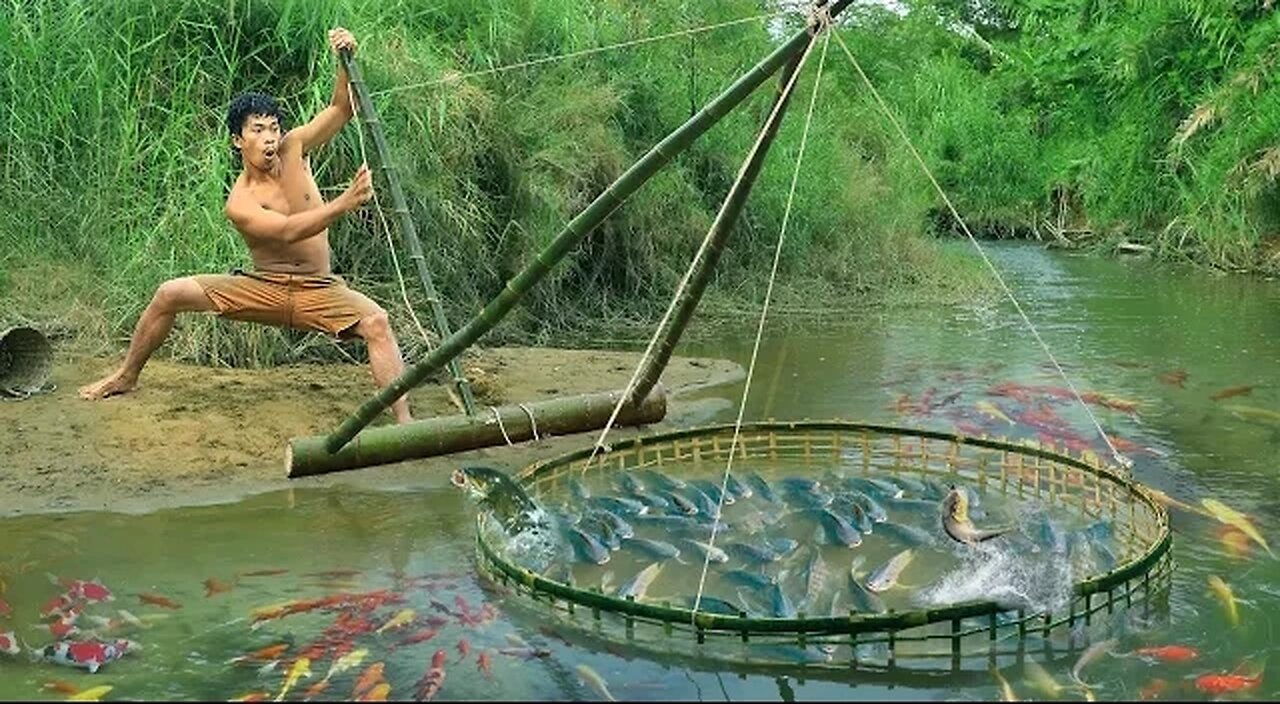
(400, 206)
(720, 231)
(441, 436)
(572, 234)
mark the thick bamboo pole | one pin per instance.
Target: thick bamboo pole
(573, 233)
(440, 436)
(400, 206)
(720, 231)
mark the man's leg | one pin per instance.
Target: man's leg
(171, 297)
(384, 357)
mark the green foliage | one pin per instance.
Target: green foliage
(117, 163)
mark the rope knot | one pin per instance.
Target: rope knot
(819, 19)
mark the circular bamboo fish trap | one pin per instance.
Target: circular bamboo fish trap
(26, 362)
(957, 638)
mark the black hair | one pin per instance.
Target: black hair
(248, 104)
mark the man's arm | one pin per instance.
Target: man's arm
(250, 218)
(328, 121)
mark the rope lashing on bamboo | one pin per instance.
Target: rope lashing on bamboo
(1122, 460)
(533, 422)
(684, 281)
(822, 23)
(501, 427)
(579, 53)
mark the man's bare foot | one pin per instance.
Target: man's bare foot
(117, 383)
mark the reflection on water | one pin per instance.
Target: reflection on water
(1152, 345)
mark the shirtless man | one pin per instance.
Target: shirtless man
(277, 209)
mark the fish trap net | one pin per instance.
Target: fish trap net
(808, 566)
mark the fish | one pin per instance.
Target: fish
(586, 547)
(711, 605)
(421, 636)
(592, 679)
(301, 668)
(815, 579)
(6, 611)
(762, 488)
(527, 652)
(347, 662)
(515, 511)
(708, 551)
(378, 693)
(1041, 680)
(464, 649)
(158, 600)
(614, 521)
(334, 574)
(214, 585)
(315, 690)
(639, 585)
(713, 492)
(61, 687)
(751, 553)
(838, 530)
(56, 605)
(681, 504)
(401, 619)
(263, 573)
(652, 500)
(1254, 414)
(618, 504)
(370, 677)
(753, 580)
(270, 652)
(92, 591)
(1153, 689)
(431, 683)
(1176, 378)
(993, 411)
(93, 694)
(886, 576)
(629, 483)
(911, 535)
(1168, 653)
(1006, 691)
(484, 663)
(780, 603)
(738, 488)
(956, 523)
(1216, 684)
(655, 548)
(1231, 391)
(662, 481)
(88, 654)
(1230, 516)
(1222, 590)
(1234, 541)
(9, 643)
(1090, 654)
(579, 490)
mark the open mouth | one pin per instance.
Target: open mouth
(458, 478)
(269, 153)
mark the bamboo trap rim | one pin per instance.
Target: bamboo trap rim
(1025, 470)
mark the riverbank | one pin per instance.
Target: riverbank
(192, 435)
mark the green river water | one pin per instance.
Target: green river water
(1163, 337)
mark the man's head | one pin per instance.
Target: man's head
(256, 125)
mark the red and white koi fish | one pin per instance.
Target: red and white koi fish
(92, 591)
(484, 663)
(9, 643)
(57, 605)
(89, 654)
(430, 684)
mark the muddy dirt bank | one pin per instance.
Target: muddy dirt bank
(195, 435)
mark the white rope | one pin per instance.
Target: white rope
(386, 228)
(1121, 459)
(580, 53)
(500, 426)
(533, 422)
(764, 312)
(688, 274)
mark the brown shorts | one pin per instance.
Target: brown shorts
(308, 302)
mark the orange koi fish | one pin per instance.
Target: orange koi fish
(378, 693)
(484, 663)
(1231, 391)
(213, 585)
(431, 683)
(367, 680)
(1168, 653)
(1216, 684)
(158, 600)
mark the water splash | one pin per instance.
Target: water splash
(1006, 575)
(535, 548)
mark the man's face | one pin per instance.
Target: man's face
(259, 141)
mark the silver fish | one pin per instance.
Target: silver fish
(639, 585)
(886, 576)
(708, 551)
(955, 520)
(1090, 654)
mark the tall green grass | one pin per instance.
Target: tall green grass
(116, 162)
